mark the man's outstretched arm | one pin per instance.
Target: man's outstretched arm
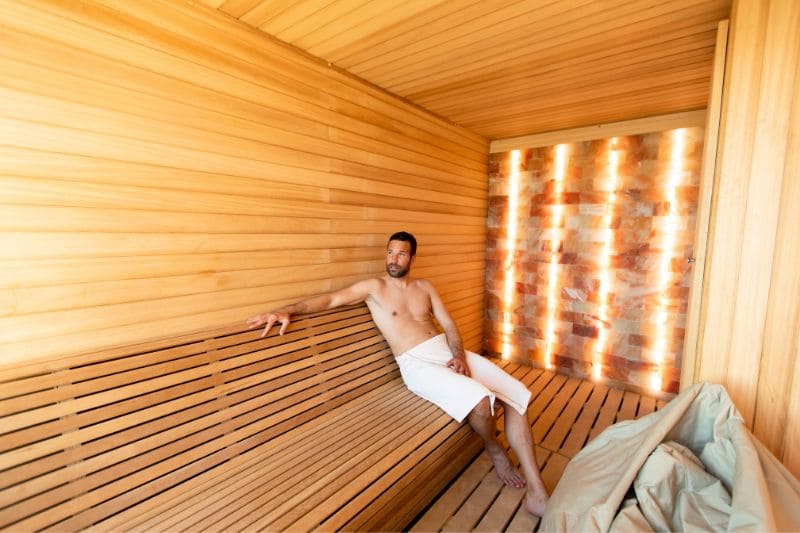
(353, 294)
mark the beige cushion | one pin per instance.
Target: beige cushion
(703, 422)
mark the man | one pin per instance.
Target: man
(435, 366)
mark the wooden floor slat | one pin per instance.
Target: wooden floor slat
(646, 406)
(630, 403)
(565, 414)
(579, 431)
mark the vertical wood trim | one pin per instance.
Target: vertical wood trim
(777, 414)
(737, 132)
(763, 198)
(791, 443)
(690, 365)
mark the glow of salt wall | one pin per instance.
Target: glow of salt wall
(669, 230)
(511, 240)
(603, 319)
(555, 245)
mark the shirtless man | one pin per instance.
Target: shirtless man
(435, 366)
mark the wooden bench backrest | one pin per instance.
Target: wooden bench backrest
(87, 436)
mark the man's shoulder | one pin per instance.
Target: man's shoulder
(423, 283)
(369, 282)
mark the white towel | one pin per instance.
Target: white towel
(425, 373)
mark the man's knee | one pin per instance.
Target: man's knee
(484, 408)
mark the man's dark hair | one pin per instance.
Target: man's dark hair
(405, 237)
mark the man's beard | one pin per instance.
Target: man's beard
(396, 271)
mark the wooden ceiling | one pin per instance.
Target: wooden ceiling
(504, 68)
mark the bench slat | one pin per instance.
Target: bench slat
(281, 443)
(221, 449)
(305, 453)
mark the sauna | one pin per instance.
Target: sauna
(605, 196)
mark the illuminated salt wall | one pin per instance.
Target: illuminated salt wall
(588, 266)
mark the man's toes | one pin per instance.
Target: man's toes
(511, 477)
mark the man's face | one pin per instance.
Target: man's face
(398, 259)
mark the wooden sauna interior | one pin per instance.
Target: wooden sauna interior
(168, 166)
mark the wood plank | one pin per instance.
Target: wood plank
(630, 403)
(416, 491)
(554, 409)
(474, 507)
(112, 443)
(740, 106)
(335, 479)
(775, 91)
(124, 499)
(279, 59)
(502, 510)
(689, 44)
(579, 432)
(366, 494)
(545, 389)
(608, 412)
(155, 508)
(607, 26)
(383, 100)
(435, 518)
(229, 442)
(118, 471)
(776, 413)
(566, 419)
(646, 406)
(310, 451)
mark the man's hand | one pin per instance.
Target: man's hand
(269, 319)
(459, 366)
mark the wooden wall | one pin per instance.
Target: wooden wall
(749, 330)
(165, 169)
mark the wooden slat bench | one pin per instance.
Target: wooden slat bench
(224, 430)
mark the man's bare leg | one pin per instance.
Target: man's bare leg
(518, 433)
(482, 421)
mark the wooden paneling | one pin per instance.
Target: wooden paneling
(166, 169)
(751, 301)
(511, 67)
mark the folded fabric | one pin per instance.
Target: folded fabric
(675, 493)
(727, 480)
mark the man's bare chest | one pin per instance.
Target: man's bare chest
(403, 304)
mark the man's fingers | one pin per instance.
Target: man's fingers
(270, 322)
(284, 325)
(458, 366)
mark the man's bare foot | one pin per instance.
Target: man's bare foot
(535, 503)
(505, 470)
